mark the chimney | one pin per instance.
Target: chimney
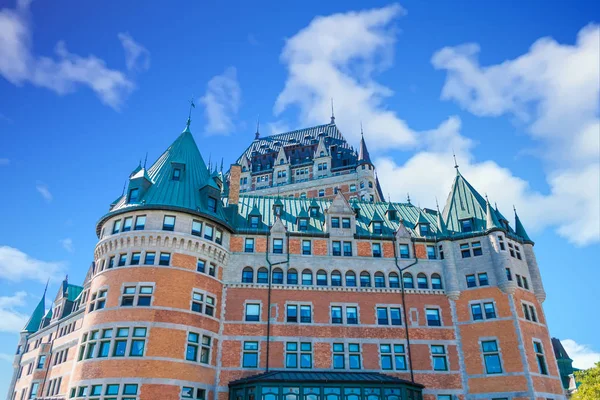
(234, 184)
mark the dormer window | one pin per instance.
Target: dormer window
(277, 209)
(322, 154)
(424, 229)
(313, 212)
(281, 161)
(211, 203)
(302, 224)
(335, 222)
(392, 215)
(254, 220)
(466, 225)
(346, 223)
(377, 227)
(176, 174)
(134, 194)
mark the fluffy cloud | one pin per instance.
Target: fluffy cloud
(137, 57)
(222, 102)
(582, 355)
(64, 72)
(17, 266)
(11, 320)
(337, 57)
(67, 244)
(43, 189)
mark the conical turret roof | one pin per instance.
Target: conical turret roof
(464, 202)
(33, 324)
(520, 230)
(491, 218)
(363, 152)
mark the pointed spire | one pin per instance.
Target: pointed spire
(408, 198)
(491, 220)
(332, 114)
(363, 152)
(221, 168)
(257, 134)
(361, 130)
(209, 162)
(520, 229)
(145, 160)
(455, 163)
(33, 324)
(441, 226)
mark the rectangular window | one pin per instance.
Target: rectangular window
(476, 312)
(346, 223)
(501, 243)
(298, 356)
(431, 252)
(423, 229)
(135, 258)
(382, 316)
(127, 222)
(211, 204)
(335, 222)
(354, 361)
(347, 249)
(533, 313)
(471, 282)
(526, 312)
(249, 245)
(34, 390)
(122, 260)
(404, 251)
(168, 223)
(292, 313)
(483, 279)
(208, 232)
(306, 247)
(254, 222)
(490, 310)
(197, 228)
(377, 227)
(439, 358)
(465, 251)
(336, 315)
(278, 246)
(491, 357)
(541, 359)
(351, 315)
(477, 251)
(392, 357)
(41, 362)
(250, 355)
(466, 225)
(433, 317)
(165, 259)
(508, 274)
(339, 356)
(149, 258)
(116, 226)
(302, 224)
(252, 312)
(188, 393)
(218, 236)
(525, 283)
(377, 250)
(200, 265)
(336, 248)
(176, 174)
(140, 223)
(305, 314)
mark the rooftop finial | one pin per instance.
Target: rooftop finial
(189, 120)
(221, 164)
(257, 134)
(408, 198)
(46, 289)
(209, 161)
(455, 163)
(332, 114)
(437, 204)
(515, 209)
(361, 129)
(486, 198)
(145, 160)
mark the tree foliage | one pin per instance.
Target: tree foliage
(589, 389)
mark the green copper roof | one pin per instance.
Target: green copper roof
(73, 291)
(37, 316)
(464, 202)
(520, 230)
(293, 208)
(422, 220)
(491, 217)
(159, 189)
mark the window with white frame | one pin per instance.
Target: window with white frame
(540, 357)
(389, 316)
(392, 356)
(202, 303)
(491, 357)
(198, 348)
(137, 295)
(298, 355)
(529, 312)
(483, 309)
(439, 357)
(127, 391)
(98, 300)
(113, 342)
(252, 312)
(250, 355)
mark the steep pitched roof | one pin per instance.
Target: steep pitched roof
(520, 229)
(559, 351)
(491, 217)
(363, 153)
(33, 324)
(464, 202)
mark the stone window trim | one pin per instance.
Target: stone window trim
(393, 353)
(481, 302)
(298, 352)
(298, 304)
(199, 346)
(204, 294)
(344, 314)
(480, 341)
(446, 355)
(76, 390)
(261, 320)
(257, 351)
(531, 306)
(302, 247)
(346, 342)
(440, 313)
(97, 301)
(388, 306)
(83, 347)
(540, 342)
(137, 286)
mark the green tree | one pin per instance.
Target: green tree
(589, 389)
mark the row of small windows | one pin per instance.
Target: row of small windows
(149, 258)
(342, 314)
(209, 232)
(335, 279)
(127, 391)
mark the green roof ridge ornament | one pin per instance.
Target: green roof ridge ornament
(519, 229)
(189, 120)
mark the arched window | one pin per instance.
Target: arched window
(408, 280)
(379, 279)
(365, 279)
(247, 275)
(362, 184)
(307, 278)
(436, 281)
(262, 276)
(370, 183)
(336, 278)
(277, 276)
(303, 195)
(350, 279)
(292, 277)
(422, 282)
(394, 280)
(321, 278)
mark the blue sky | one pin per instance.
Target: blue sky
(511, 87)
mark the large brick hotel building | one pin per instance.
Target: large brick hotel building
(290, 278)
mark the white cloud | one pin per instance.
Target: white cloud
(337, 57)
(7, 357)
(17, 266)
(43, 189)
(63, 73)
(67, 244)
(222, 101)
(11, 320)
(583, 356)
(4, 161)
(137, 57)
